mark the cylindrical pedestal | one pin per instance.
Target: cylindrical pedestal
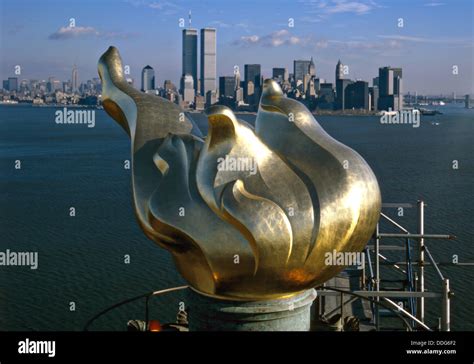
(288, 314)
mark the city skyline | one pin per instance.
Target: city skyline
(273, 45)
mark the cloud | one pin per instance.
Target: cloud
(311, 19)
(343, 45)
(354, 7)
(416, 39)
(328, 7)
(73, 32)
(433, 4)
(65, 33)
(403, 38)
(283, 37)
(248, 40)
(219, 24)
(165, 7)
(15, 29)
(275, 39)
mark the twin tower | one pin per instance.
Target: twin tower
(208, 64)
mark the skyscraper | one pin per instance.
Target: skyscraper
(236, 79)
(341, 85)
(280, 74)
(226, 86)
(148, 79)
(188, 89)
(357, 95)
(467, 101)
(326, 96)
(374, 97)
(238, 91)
(339, 71)
(12, 84)
(74, 79)
(398, 88)
(190, 54)
(390, 88)
(312, 68)
(208, 60)
(300, 68)
(252, 73)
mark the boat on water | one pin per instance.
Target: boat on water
(424, 111)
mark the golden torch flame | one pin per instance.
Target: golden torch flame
(247, 214)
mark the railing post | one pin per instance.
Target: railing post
(421, 263)
(446, 314)
(363, 278)
(377, 276)
(342, 310)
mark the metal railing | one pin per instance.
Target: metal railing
(145, 296)
(414, 289)
(413, 316)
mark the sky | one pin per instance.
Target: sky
(427, 38)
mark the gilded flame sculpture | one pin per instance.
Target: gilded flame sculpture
(234, 233)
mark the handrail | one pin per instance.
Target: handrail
(434, 263)
(417, 236)
(146, 295)
(394, 222)
(379, 303)
(392, 264)
(422, 324)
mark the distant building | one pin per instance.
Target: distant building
(280, 74)
(398, 89)
(148, 79)
(5, 85)
(190, 57)
(312, 68)
(66, 87)
(200, 103)
(326, 96)
(386, 81)
(238, 90)
(374, 97)
(75, 79)
(239, 95)
(310, 88)
(12, 84)
(390, 89)
(169, 86)
(249, 94)
(339, 71)
(208, 60)
(188, 89)
(300, 68)
(357, 95)
(467, 102)
(317, 84)
(306, 82)
(226, 87)
(237, 81)
(252, 73)
(375, 81)
(211, 98)
(341, 85)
